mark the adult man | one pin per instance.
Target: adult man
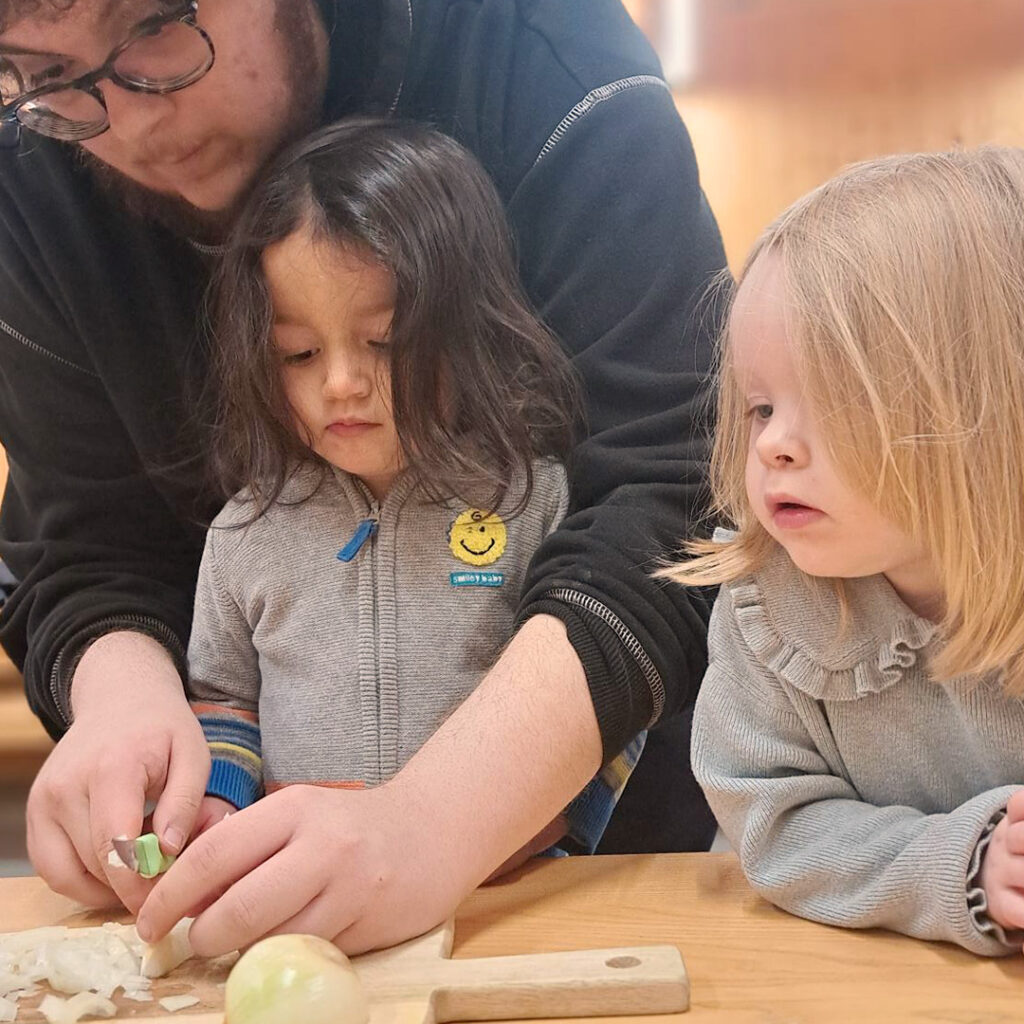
(104, 257)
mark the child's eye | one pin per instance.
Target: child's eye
(298, 358)
(763, 411)
(379, 344)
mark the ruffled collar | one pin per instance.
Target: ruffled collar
(794, 626)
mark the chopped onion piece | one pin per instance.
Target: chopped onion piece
(172, 1004)
(88, 964)
(70, 1011)
(173, 949)
(139, 995)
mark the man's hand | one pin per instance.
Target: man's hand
(1002, 871)
(133, 738)
(359, 868)
(369, 868)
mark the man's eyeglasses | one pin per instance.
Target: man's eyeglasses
(164, 53)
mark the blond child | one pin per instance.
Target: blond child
(860, 730)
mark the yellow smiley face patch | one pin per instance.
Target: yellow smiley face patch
(477, 537)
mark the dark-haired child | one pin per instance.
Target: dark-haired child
(395, 418)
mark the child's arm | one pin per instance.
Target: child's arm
(805, 838)
(223, 687)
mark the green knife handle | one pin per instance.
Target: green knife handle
(151, 861)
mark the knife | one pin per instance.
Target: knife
(142, 855)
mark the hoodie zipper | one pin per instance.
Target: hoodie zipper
(363, 532)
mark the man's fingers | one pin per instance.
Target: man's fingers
(174, 818)
(54, 857)
(212, 863)
(278, 890)
(117, 798)
(321, 916)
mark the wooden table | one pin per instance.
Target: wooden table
(748, 962)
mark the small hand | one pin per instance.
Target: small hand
(1002, 871)
(356, 867)
(134, 738)
(212, 811)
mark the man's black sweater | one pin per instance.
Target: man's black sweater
(100, 350)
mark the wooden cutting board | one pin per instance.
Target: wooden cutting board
(418, 983)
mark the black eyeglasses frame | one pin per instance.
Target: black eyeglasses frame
(187, 12)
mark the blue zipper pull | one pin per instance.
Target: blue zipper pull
(364, 531)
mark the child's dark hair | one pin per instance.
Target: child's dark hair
(479, 386)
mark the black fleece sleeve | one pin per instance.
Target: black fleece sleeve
(93, 546)
(618, 247)
(93, 542)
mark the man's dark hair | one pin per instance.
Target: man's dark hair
(479, 386)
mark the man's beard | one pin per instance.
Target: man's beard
(294, 20)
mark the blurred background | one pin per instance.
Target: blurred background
(778, 95)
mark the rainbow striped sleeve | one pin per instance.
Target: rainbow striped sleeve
(588, 815)
(236, 770)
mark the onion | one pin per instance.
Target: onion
(89, 964)
(69, 1011)
(172, 1004)
(294, 978)
(173, 949)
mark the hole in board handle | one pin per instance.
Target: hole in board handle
(622, 961)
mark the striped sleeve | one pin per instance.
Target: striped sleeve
(588, 815)
(236, 770)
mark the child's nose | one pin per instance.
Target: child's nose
(347, 377)
(779, 444)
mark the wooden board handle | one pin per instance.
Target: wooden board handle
(589, 983)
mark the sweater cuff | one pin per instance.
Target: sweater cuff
(587, 816)
(977, 898)
(622, 698)
(231, 782)
(63, 672)
(233, 736)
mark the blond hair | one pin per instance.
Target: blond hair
(904, 282)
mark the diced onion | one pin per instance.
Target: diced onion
(88, 964)
(172, 1004)
(294, 978)
(70, 1011)
(173, 949)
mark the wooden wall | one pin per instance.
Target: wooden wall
(786, 92)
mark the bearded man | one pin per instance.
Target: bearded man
(132, 128)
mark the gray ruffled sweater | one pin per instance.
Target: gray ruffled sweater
(856, 790)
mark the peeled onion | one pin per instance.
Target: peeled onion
(294, 978)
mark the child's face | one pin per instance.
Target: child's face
(827, 528)
(332, 313)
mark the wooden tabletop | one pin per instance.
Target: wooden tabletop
(747, 961)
